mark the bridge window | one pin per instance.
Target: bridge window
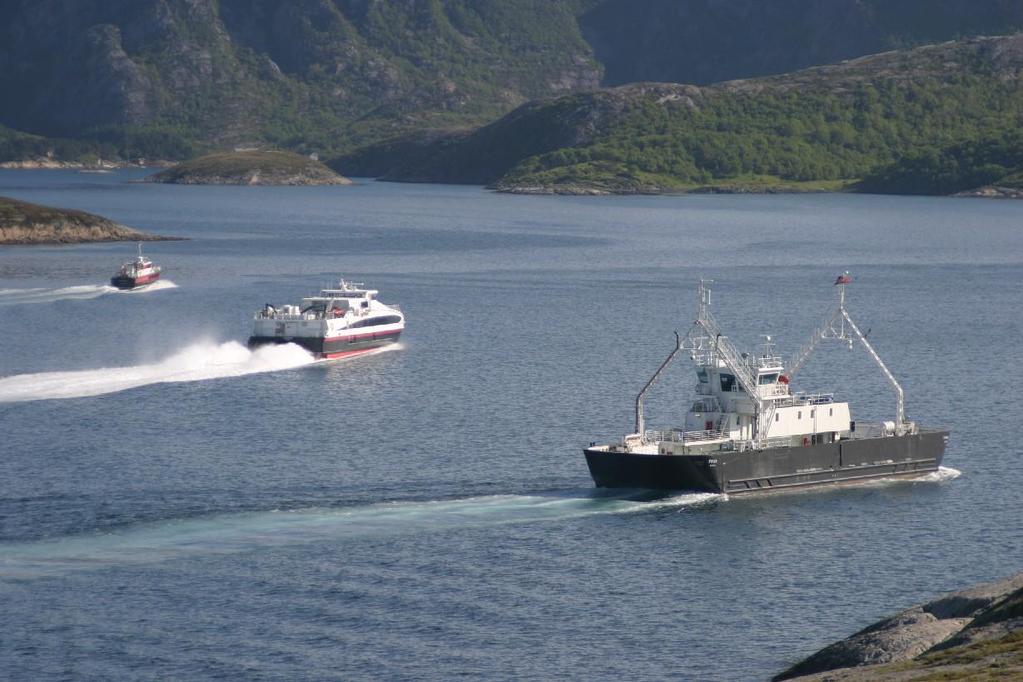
(727, 382)
(767, 379)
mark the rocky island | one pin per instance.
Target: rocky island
(22, 222)
(250, 168)
(976, 633)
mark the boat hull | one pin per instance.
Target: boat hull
(731, 472)
(336, 348)
(124, 282)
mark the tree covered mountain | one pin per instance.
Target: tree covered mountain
(822, 127)
(170, 78)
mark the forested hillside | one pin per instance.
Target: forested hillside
(172, 78)
(826, 126)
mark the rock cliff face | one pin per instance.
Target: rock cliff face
(167, 78)
(976, 631)
(313, 73)
(22, 222)
(250, 168)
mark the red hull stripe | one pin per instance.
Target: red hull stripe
(349, 353)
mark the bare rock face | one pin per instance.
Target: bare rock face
(976, 615)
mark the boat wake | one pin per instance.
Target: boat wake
(80, 292)
(940, 476)
(198, 362)
(158, 285)
(253, 531)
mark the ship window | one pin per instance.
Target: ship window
(727, 382)
(373, 321)
(799, 414)
(768, 379)
(812, 413)
(831, 412)
(777, 417)
(736, 420)
(701, 374)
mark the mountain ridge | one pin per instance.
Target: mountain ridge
(831, 124)
(169, 79)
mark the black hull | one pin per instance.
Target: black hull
(732, 472)
(331, 348)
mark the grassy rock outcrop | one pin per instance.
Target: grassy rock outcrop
(22, 222)
(250, 168)
(975, 633)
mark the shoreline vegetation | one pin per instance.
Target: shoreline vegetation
(976, 633)
(939, 119)
(24, 223)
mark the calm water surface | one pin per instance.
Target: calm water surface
(174, 506)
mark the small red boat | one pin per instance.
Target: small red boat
(136, 273)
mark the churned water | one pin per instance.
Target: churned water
(173, 505)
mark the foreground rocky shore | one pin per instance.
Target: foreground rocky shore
(22, 222)
(976, 633)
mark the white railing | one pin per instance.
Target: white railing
(677, 436)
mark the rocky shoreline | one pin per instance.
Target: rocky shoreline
(973, 632)
(24, 223)
(992, 192)
(103, 166)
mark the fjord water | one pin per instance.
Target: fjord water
(175, 506)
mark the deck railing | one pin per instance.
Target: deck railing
(678, 436)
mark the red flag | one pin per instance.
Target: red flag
(843, 279)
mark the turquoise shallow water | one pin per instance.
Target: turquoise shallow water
(172, 505)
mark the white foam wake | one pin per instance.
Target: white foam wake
(79, 292)
(941, 475)
(197, 362)
(254, 531)
(158, 285)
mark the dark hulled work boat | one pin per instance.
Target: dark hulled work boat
(747, 431)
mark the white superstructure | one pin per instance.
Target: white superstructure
(743, 401)
(339, 321)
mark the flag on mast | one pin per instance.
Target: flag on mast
(844, 278)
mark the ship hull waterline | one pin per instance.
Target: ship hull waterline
(758, 471)
(126, 283)
(332, 349)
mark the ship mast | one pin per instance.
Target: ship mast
(838, 325)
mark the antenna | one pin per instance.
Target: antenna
(838, 326)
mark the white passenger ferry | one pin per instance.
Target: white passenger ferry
(337, 323)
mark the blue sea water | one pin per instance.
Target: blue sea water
(174, 506)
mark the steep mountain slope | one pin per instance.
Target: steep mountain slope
(170, 78)
(833, 123)
(707, 41)
(305, 73)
